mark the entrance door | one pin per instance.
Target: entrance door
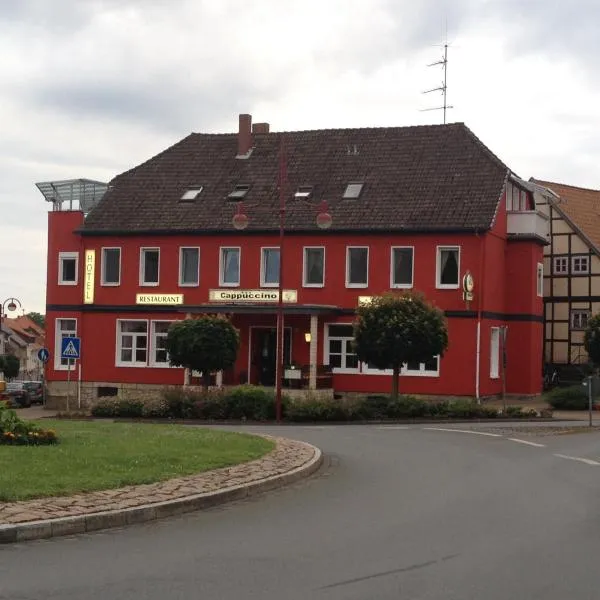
(264, 354)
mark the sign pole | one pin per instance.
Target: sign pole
(68, 382)
(590, 400)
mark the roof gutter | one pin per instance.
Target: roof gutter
(272, 231)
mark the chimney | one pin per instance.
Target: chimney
(245, 135)
(260, 128)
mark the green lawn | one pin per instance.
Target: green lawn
(101, 455)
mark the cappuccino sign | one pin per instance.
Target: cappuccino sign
(236, 296)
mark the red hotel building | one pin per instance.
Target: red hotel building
(412, 208)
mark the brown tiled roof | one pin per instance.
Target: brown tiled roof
(26, 328)
(438, 177)
(581, 206)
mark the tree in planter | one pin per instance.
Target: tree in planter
(399, 328)
(206, 344)
(591, 340)
(9, 365)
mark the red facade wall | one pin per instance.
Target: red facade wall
(502, 271)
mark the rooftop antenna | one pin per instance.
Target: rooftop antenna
(444, 87)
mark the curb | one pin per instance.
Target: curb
(35, 530)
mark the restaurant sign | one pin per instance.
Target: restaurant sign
(166, 299)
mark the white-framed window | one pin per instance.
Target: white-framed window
(516, 199)
(313, 268)
(132, 343)
(357, 266)
(447, 267)
(189, 266)
(68, 268)
(229, 267)
(110, 268)
(561, 265)
(63, 328)
(402, 267)
(341, 357)
(430, 368)
(580, 264)
(495, 353)
(580, 318)
(339, 349)
(269, 267)
(158, 354)
(149, 266)
(540, 279)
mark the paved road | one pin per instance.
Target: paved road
(396, 514)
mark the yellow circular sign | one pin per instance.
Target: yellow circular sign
(468, 282)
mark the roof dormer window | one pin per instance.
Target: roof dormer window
(304, 192)
(239, 191)
(353, 190)
(191, 194)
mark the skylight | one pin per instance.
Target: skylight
(304, 191)
(191, 194)
(239, 192)
(353, 190)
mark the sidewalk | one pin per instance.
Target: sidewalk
(36, 412)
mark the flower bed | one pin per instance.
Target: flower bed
(15, 431)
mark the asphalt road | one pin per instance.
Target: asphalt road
(395, 514)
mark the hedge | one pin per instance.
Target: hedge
(574, 397)
(253, 403)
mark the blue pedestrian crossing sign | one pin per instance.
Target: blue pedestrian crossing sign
(70, 348)
(43, 354)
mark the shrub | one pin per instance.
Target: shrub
(373, 407)
(130, 408)
(469, 409)
(250, 402)
(408, 407)
(115, 407)
(106, 408)
(14, 431)
(518, 412)
(210, 406)
(317, 408)
(179, 403)
(155, 409)
(574, 397)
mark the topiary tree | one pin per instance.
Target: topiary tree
(591, 340)
(399, 328)
(10, 365)
(206, 344)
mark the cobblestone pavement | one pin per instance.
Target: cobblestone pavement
(287, 455)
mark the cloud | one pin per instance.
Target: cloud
(92, 87)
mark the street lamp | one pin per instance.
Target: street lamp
(240, 222)
(10, 304)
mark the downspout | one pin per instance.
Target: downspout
(479, 311)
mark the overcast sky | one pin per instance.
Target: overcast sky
(90, 88)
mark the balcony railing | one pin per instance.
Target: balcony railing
(528, 224)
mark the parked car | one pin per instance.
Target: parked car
(35, 390)
(18, 396)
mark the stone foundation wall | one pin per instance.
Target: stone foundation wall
(59, 393)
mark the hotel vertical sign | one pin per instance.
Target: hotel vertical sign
(88, 277)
